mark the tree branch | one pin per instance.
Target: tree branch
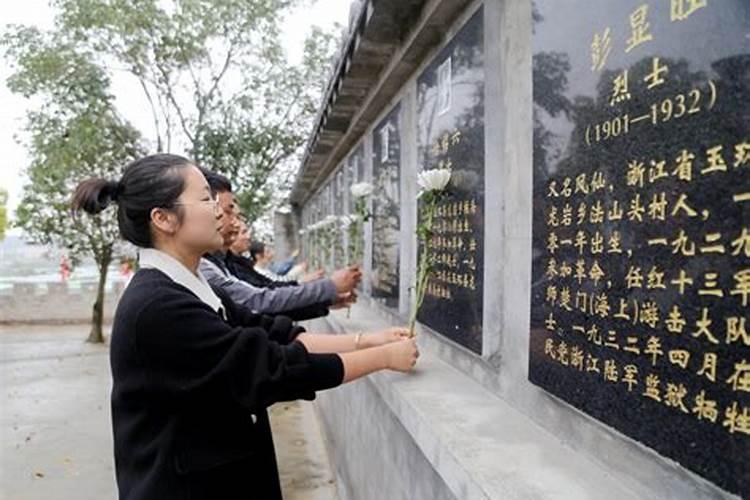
(205, 100)
(170, 96)
(153, 113)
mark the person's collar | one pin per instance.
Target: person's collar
(217, 259)
(152, 258)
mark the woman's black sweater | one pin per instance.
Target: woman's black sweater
(190, 392)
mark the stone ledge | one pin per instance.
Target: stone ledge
(482, 447)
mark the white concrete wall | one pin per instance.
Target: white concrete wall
(55, 302)
(468, 426)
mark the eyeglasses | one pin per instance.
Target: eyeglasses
(213, 203)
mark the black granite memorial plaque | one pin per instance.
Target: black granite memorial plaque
(641, 260)
(451, 135)
(328, 233)
(339, 198)
(357, 165)
(386, 165)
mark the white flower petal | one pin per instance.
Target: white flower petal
(434, 180)
(361, 189)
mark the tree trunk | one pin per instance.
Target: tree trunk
(96, 336)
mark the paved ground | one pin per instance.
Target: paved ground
(55, 433)
(303, 466)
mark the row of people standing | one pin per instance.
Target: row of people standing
(201, 345)
(298, 301)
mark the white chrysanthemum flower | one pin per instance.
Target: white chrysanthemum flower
(362, 189)
(433, 180)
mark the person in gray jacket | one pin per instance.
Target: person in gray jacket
(338, 290)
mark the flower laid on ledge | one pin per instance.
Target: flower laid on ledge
(432, 188)
(360, 192)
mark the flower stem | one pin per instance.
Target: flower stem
(424, 267)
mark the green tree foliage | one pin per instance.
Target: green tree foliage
(74, 134)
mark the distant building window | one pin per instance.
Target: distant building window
(444, 86)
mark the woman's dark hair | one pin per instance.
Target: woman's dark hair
(155, 181)
(257, 248)
(217, 182)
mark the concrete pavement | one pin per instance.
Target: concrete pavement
(55, 427)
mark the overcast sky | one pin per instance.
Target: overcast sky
(130, 101)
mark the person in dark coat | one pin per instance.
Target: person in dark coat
(327, 291)
(193, 372)
(243, 268)
(239, 261)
